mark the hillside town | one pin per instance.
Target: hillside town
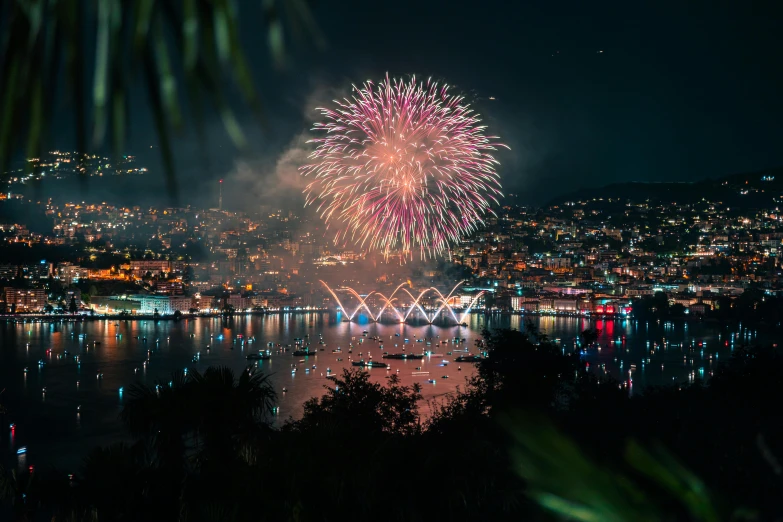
(583, 257)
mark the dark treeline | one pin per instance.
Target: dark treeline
(753, 306)
(534, 436)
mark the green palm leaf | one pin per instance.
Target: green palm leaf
(170, 45)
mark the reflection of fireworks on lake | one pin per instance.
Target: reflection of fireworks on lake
(402, 166)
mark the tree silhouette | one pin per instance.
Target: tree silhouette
(531, 437)
(590, 335)
(359, 405)
(205, 416)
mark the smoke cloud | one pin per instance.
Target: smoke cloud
(272, 178)
(272, 182)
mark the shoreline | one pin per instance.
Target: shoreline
(86, 317)
(78, 318)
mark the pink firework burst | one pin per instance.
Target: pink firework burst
(402, 166)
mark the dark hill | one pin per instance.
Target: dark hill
(762, 189)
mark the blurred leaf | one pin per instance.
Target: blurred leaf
(143, 17)
(561, 479)
(100, 86)
(8, 98)
(42, 59)
(161, 125)
(117, 83)
(240, 68)
(275, 30)
(190, 33)
(220, 21)
(225, 112)
(168, 82)
(54, 52)
(72, 18)
(665, 471)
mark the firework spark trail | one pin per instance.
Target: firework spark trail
(415, 300)
(402, 166)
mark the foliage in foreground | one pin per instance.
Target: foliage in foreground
(532, 436)
(87, 58)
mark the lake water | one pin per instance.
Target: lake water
(79, 411)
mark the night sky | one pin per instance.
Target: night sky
(678, 93)
(586, 93)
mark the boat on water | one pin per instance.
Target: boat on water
(303, 353)
(258, 357)
(403, 356)
(370, 364)
(469, 358)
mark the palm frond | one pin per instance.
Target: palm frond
(563, 480)
(175, 47)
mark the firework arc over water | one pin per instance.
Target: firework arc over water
(402, 166)
(404, 307)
